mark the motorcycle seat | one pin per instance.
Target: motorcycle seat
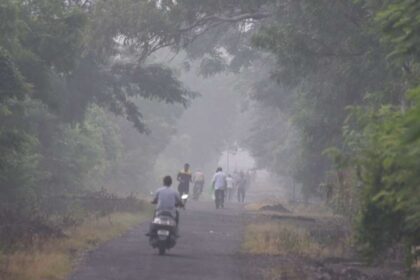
(165, 213)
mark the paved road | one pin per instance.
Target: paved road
(209, 240)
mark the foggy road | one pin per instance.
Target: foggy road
(206, 250)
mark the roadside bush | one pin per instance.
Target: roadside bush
(19, 229)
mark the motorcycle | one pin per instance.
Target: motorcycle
(164, 232)
(184, 198)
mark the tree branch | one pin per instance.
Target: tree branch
(233, 19)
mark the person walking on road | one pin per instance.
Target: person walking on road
(198, 184)
(229, 190)
(184, 178)
(242, 185)
(219, 183)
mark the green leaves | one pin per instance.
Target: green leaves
(334, 59)
(400, 24)
(387, 152)
(12, 84)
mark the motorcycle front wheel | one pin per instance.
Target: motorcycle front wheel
(162, 250)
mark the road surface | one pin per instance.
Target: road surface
(207, 249)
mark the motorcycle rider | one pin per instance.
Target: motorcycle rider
(167, 200)
(219, 185)
(184, 178)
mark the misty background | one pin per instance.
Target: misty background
(100, 99)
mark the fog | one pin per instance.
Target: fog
(299, 122)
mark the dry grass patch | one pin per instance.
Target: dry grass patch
(286, 239)
(316, 211)
(255, 206)
(54, 259)
(291, 272)
(312, 210)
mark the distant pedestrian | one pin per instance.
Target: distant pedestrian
(242, 186)
(229, 189)
(219, 183)
(198, 180)
(184, 178)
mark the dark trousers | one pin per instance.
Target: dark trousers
(198, 189)
(220, 198)
(183, 188)
(241, 194)
(229, 194)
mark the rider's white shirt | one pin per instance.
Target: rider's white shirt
(167, 199)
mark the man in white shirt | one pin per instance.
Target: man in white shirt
(219, 185)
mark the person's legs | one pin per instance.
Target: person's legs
(151, 230)
(195, 191)
(151, 226)
(216, 196)
(219, 198)
(198, 189)
(241, 195)
(222, 198)
(177, 223)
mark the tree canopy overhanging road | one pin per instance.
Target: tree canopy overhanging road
(100, 99)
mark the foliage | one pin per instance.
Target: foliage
(57, 137)
(327, 59)
(332, 56)
(342, 70)
(388, 159)
(401, 27)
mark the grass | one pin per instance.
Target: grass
(310, 211)
(283, 238)
(290, 272)
(54, 259)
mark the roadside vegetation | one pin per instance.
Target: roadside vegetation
(72, 154)
(341, 119)
(54, 257)
(307, 232)
(307, 243)
(288, 239)
(331, 90)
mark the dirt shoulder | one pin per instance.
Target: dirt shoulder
(279, 245)
(54, 258)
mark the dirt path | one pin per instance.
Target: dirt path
(206, 250)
